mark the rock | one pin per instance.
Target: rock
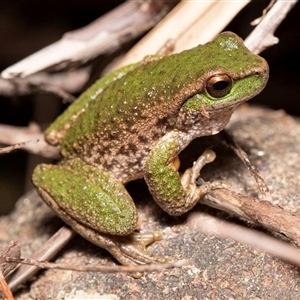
(222, 268)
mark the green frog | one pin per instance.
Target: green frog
(133, 123)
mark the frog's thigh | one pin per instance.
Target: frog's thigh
(88, 194)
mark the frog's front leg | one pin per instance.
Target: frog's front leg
(97, 206)
(174, 194)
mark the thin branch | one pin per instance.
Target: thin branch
(96, 268)
(262, 37)
(260, 212)
(46, 252)
(245, 159)
(191, 20)
(101, 36)
(13, 249)
(13, 147)
(33, 137)
(71, 81)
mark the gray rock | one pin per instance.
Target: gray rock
(222, 268)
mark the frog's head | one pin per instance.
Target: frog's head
(232, 73)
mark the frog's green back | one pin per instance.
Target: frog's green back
(145, 102)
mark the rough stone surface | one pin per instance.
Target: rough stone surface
(223, 269)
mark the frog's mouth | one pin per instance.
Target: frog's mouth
(220, 106)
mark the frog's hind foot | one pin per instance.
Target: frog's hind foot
(131, 249)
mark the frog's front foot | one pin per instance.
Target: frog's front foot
(191, 177)
(176, 194)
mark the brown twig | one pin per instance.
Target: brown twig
(13, 250)
(15, 136)
(260, 212)
(245, 159)
(46, 252)
(96, 268)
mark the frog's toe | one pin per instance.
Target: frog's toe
(132, 249)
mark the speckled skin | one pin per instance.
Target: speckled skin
(118, 129)
(133, 123)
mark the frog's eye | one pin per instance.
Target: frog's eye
(218, 85)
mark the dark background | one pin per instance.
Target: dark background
(27, 26)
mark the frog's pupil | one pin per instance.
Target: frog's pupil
(220, 85)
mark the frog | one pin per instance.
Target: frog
(133, 123)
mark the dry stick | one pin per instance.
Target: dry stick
(264, 12)
(190, 31)
(97, 268)
(245, 159)
(262, 37)
(12, 135)
(11, 148)
(257, 211)
(99, 37)
(71, 81)
(13, 250)
(46, 252)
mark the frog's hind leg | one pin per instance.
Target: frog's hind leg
(97, 206)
